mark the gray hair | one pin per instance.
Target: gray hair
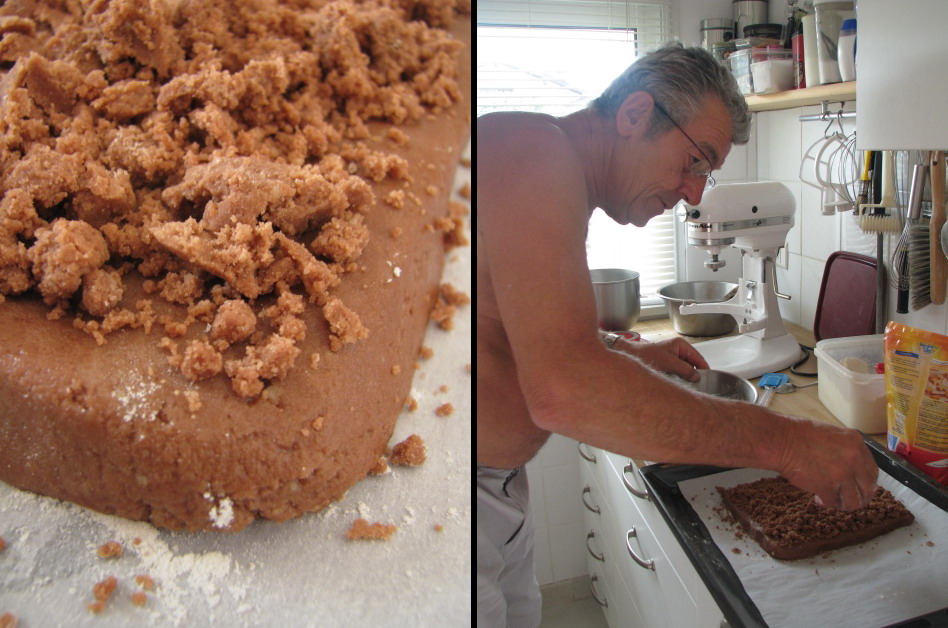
(680, 79)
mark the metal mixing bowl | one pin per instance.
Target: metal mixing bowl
(676, 294)
(617, 297)
(722, 384)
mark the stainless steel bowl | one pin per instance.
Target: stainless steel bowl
(617, 297)
(676, 294)
(723, 384)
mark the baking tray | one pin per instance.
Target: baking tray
(713, 566)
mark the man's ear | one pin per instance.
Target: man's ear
(634, 114)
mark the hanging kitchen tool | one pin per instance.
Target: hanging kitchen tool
(920, 235)
(899, 263)
(939, 263)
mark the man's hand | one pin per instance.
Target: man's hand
(832, 462)
(675, 356)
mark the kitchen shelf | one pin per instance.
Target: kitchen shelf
(835, 92)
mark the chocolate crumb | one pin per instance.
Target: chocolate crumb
(362, 530)
(112, 549)
(410, 452)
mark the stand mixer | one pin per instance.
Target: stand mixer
(755, 218)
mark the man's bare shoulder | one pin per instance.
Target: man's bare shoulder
(519, 132)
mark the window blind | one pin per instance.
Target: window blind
(555, 56)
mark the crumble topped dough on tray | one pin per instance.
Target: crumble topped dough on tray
(788, 524)
(202, 209)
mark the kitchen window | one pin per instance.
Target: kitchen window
(555, 56)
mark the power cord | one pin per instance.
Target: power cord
(807, 351)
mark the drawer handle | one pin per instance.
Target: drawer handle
(630, 468)
(648, 564)
(598, 557)
(586, 504)
(587, 457)
(592, 587)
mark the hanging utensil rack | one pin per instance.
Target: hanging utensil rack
(826, 115)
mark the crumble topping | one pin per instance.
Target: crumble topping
(220, 162)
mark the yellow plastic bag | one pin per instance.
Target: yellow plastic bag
(916, 390)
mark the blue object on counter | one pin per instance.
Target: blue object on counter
(772, 380)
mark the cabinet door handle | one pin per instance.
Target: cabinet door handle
(592, 587)
(588, 457)
(586, 504)
(630, 468)
(648, 564)
(598, 557)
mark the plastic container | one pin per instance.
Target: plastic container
(847, 51)
(856, 399)
(722, 51)
(830, 15)
(761, 70)
(811, 62)
(774, 73)
(770, 31)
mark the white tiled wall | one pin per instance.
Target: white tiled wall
(555, 496)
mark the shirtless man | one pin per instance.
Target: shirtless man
(652, 138)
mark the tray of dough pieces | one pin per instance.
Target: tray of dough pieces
(887, 581)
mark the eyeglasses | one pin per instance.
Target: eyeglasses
(699, 167)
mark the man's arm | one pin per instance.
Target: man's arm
(532, 209)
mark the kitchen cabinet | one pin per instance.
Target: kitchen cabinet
(642, 576)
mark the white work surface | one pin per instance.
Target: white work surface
(298, 573)
(894, 577)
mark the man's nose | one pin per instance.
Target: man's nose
(692, 188)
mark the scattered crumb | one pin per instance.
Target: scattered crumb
(425, 353)
(145, 581)
(3, 544)
(447, 305)
(139, 598)
(111, 549)
(380, 467)
(411, 403)
(465, 191)
(362, 530)
(409, 453)
(445, 409)
(438, 527)
(102, 590)
(8, 620)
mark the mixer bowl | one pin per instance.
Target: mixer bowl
(617, 297)
(674, 295)
(723, 384)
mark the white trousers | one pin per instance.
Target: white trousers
(507, 591)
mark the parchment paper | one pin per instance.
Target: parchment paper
(297, 573)
(895, 577)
